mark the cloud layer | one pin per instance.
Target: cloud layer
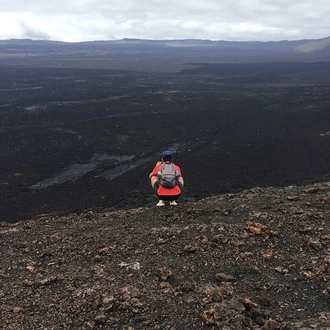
(241, 20)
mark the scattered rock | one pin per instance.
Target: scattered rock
(271, 325)
(281, 270)
(247, 303)
(98, 271)
(293, 198)
(311, 190)
(17, 309)
(164, 273)
(221, 277)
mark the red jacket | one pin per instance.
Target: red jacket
(162, 191)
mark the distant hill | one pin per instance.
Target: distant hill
(296, 50)
(315, 45)
(305, 46)
(18, 42)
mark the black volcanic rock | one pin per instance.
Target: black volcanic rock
(129, 269)
(82, 124)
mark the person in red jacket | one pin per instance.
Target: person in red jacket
(165, 190)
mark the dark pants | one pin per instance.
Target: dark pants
(169, 198)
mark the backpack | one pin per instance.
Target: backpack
(168, 175)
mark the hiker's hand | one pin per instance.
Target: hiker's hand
(156, 185)
(180, 185)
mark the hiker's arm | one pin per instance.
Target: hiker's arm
(180, 178)
(152, 174)
(153, 180)
(155, 170)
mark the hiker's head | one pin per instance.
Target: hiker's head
(167, 156)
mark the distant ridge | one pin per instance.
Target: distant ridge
(314, 45)
(318, 47)
(29, 42)
(305, 45)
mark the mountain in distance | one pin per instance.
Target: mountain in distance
(315, 45)
(298, 46)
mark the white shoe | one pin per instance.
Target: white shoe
(161, 203)
(173, 203)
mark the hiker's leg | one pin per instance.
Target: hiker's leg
(170, 198)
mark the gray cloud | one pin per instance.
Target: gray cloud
(32, 32)
(79, 20)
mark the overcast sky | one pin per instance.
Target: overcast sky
(241, 20)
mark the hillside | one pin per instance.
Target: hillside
(315, 45)
(258, 259)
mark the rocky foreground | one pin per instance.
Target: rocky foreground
(259, 259)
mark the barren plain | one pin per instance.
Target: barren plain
(81, 127)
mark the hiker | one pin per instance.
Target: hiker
(166, 180)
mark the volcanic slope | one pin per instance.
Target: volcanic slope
(258, 259)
